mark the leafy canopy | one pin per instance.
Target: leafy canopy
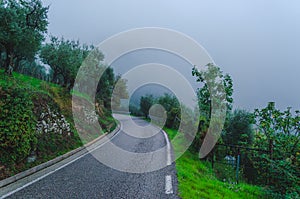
(23, 25)
(64, 57)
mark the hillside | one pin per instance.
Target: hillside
(36, 122)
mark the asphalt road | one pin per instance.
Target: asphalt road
(131, 176)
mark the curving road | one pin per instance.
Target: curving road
(132, 170)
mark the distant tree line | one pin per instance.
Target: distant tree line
(169, 102)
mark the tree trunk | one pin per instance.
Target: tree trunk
(54, 77)
(8, 65)
(9, 61)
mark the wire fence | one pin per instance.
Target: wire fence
(234, 163)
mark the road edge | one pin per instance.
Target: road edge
(49, 163)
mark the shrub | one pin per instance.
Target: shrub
(238, 131)
(17, 125)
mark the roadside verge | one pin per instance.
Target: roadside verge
(67, 157)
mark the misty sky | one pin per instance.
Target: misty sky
(257, 42)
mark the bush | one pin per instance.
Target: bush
(172, 106)
(135, 111)
(238, 131)
(17, 126)
(279, 133)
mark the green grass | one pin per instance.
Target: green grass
(58, 97)
(81, 95)
(171, 133)
(24, 81)
(36, 86)
(197, 179)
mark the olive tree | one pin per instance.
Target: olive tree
(23, 25)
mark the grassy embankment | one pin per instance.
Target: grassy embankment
(197, 179)
(23, 99)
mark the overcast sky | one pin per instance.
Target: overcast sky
(257, 42)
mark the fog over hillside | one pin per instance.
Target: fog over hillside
(151, 89)
(135, 59)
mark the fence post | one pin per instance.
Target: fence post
(238, 166)
(212, 160)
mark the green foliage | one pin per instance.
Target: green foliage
(197, 180)
(20, 98)
(213, 98)
(239, 131)
(26, 82)
(279, 132)
(172, 107)
(107, 123)
(135, 110)
(17, 125)
(227, 172)
(64, 57)
(58, 138)
(216, 87)
(33, 69)
(22, 25)
(146, 103)
(169, 102)
(105, 87)
(111, 89)
(91, 70)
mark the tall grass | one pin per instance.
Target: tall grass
(197, 179)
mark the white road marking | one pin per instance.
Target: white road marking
(169, 187)
(169, 159)
(51, 172)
